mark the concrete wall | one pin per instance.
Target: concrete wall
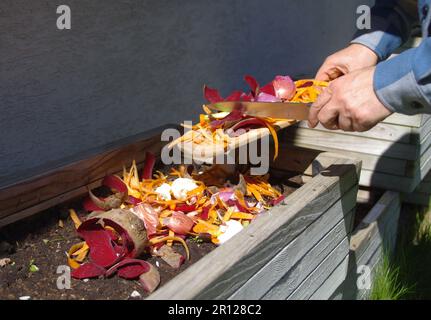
(130, 65)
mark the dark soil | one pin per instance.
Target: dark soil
(40, 240)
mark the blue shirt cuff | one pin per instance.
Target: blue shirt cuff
(396, 86)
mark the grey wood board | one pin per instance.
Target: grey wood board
(381, 131)
(321, 140)
(405, 120)
(349, 288)
(390, 182)
(374, 263)
(322, 235)
(384, 236)
(370, 162)
(320, 274)
(331, 284)
(293, 278)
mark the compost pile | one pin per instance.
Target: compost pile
(218, 128)
(149, 211)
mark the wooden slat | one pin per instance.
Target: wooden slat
(414, 167)
(308, 263)
(386, 209)
(382, 131)
(357, 294)
(392, 182)
(404, 120)
(374, 262)
(369, 162)
(55, 184)
(242, 256)
(207, 152)
(321, 140)
(320, 274)
(419, 134)
(310, 247)
(378, 228)
(331, 284)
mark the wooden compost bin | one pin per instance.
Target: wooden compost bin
(395, 154)
(374, 234)
(287, 253)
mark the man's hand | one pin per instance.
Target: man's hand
(352, 58)
(349, 103)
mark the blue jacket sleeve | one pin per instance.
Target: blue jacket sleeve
(403, 83)
(391, 22)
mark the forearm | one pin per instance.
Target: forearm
(403, 83)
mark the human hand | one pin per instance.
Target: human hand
(349, 103)
(352, 58)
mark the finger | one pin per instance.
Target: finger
(321, 74)
(328, 117)
(326, 73)
(321, 101)
(345, 123)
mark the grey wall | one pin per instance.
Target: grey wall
(130, 65)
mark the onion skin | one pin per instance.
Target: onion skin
(179, 223)
(284, 87)
(150, 161)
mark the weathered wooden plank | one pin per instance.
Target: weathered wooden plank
(320, 273)
(321, 140)
(294, 277)
(361, 253)
(382, 131)
(378, 228)
(419, 134)
(369, 162)
(318, 240)
(368, 195)
(353, 292)
(331, 284)
(242, 256)
(374, 263)
(396, 183)
(387, 181)
(208, 152)
(374, 223)
(405, 120)
(414, 167)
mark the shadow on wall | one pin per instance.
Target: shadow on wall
(129, 66)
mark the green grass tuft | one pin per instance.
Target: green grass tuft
(407, 275)
(386, 282)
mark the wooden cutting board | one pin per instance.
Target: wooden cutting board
(207, 153)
